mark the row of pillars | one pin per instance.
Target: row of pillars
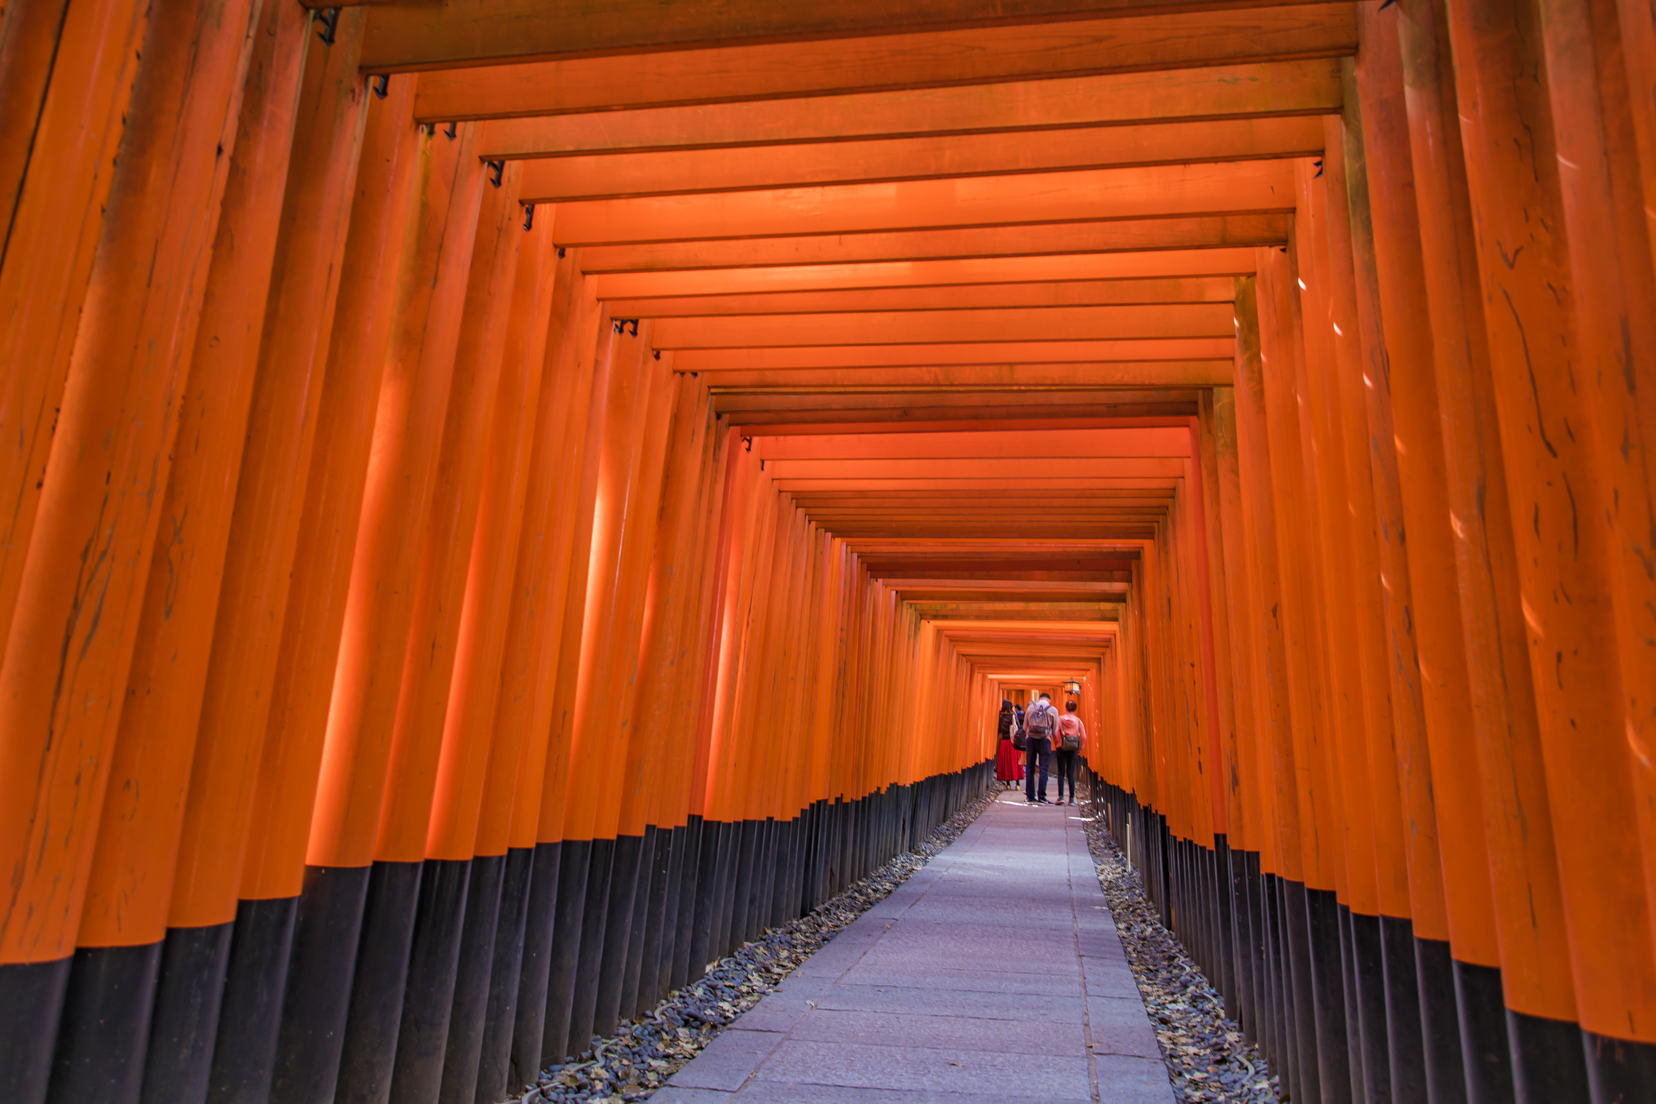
(1421, 763)
(406, 673)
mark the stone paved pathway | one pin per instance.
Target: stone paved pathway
(993, 974)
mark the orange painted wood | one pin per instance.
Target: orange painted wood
(551, 563)
(1280, 853)
(476, 780)
(554, 810)
(408, 428)
(1440, 805)
(1600, 177)
(56, 213)
(1269, 89)
(1099, 363)
(70, 639)
(1056, 324)
(483, 28)
(1130, 235)
(30, 37)
(1244, 186)
(419, 741)
(359, 146)
(927, 59)
(159, 760)
(1522, 861)
(1563, 542)
(1345, 498)
(1374, 505)
(955, 274)
(627, 175)
(1070, 293)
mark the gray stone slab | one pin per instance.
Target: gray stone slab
(767, 1092)
(1024, 1037)
(920, 1068)
(951, 1002)
(1120, 1026)
(680, 1094)
(1109, 978)
(777, 1012)
(1133, 1080)
(729, 1060)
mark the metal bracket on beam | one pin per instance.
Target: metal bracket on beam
(497, 170)
(621, 325)
(452, 131)
(327, 23)
(529, 220)
(381, 85)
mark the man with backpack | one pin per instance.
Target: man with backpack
(1071, 732)
(1040, 720)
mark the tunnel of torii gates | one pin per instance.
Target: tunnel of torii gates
(506, 500)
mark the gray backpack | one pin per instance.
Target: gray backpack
(1038, 719)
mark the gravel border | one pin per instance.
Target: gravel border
(644, 1053)
(1206, 1055)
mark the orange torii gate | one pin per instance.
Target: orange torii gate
(510, 500)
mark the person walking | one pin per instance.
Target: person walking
(1008, 768)
(1040, 719)
(1071, 734)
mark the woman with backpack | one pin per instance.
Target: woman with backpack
(1007, 767)
(1067, 749)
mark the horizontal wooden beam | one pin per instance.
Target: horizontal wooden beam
(436, 32)
(983, 443)
(1130, 193)
(1067, 293)
(988, 325)
(1126, 235)
(1308, 87)
(689, 172)
(990, 483)
(1001, 380)
(951, 274)
(480, 86)
(1049, 469)
(1072, 361)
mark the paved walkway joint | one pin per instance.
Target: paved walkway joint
(992, 974)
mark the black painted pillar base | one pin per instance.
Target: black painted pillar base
(374, 1015)
(1548, 1061)
(589, 957)
(1373, 1028)
(185, 1020)
(688, 894)
(104, 1029)
(1619, 1071)
(1407, 1066)
(462, 1051)
(506, 970)
(31, 1003)
(1483, 1034)
(427, 998)
(563, 963)
(314, 1007)
(1328, 995)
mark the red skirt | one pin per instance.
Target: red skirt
(1009, 764)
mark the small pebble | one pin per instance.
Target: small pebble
(645, 1052)
(1207, 1057)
